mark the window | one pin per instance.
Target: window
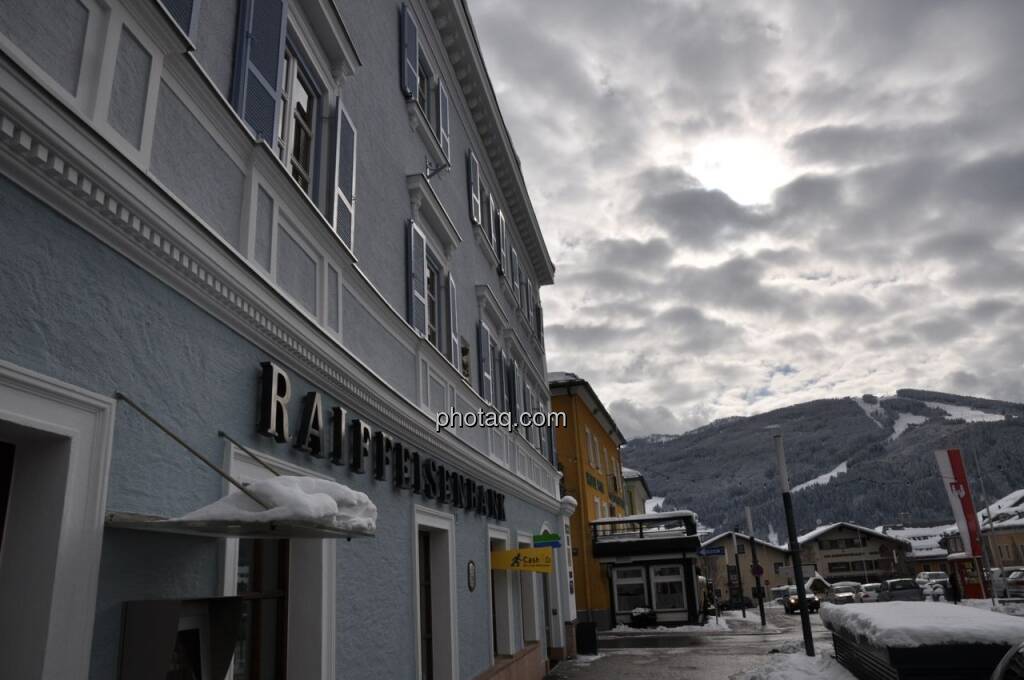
(741, 547)
(484, 344)
(423, 87)
(473, 173)
(597, 508)
(630, 589)
(434, 318)
(262, 580)
(296, 126)
(839, 566)
(495, 358)
(668, 588)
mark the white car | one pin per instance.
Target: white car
(869, 592)
(926, 577)
(998, 577)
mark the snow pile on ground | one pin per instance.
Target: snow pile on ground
(913, 624)
(873, 411)
(967, 413)
(823, 479)
(308, 499)
(798, 667)
(903, 421)
(712, 626)
(1011, 608)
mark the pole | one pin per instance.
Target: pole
(739, 574)
(757, 570)
(794, 545)
(984, 555)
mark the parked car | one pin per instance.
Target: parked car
(844, 595)
(869, 592)
(997, 578)
(1015, 584)
(900, 589)
(779, 594)
(792, 603)
(926, 577)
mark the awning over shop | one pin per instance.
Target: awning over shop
(229, 529)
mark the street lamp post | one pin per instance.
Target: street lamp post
(794, 545)
(757, 566)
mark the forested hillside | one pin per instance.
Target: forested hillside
(868, 460)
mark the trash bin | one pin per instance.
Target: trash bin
(586, 638)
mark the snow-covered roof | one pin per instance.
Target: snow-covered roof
(561, 376)
(742, 537)
(916, 624)
(1006, 513)
(924, 541)
(630, 473)
(825, 528)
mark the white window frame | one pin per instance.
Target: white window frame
(312, 567)
(502, 599)
(445, 626)
(628, 580)
(78, 425)
(656, 579)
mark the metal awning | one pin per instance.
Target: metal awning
(228, 529)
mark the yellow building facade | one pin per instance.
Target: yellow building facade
(588, 457)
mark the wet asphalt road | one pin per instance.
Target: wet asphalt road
(694, 654)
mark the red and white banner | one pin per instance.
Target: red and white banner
(954, 478)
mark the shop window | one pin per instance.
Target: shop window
(630, 589)
(262, 583)
(668, 588)
(296, 126)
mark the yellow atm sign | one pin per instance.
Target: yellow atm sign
(523, 559)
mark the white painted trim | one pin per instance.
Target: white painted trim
(504, 536)
(442, 522)
(86, 421)
(312, 575)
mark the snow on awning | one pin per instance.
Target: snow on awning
(292, 507)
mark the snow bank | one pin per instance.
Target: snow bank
(823, 479)
(971, 415)
(913, 624)
(797, 667)
(309, 499)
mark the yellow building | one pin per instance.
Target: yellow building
(588, 456)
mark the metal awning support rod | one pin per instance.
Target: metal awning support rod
(252, 455)
(213, 466)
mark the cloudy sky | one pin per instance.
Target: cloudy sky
(753, 204)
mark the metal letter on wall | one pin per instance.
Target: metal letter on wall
(275, 391)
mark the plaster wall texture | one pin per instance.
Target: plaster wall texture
(214, 39)
(78, 311)
(131, 81)
(51, 33)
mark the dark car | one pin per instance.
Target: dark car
(792, 603)
(904, 589)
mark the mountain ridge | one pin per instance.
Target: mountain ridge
(886, 444)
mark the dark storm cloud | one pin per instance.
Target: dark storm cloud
(885, 253)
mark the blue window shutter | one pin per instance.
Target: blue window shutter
(256, 90)
(417, 279)
(483, 356)
(474, 187)
(409, 54)
(443, 119)
(453, 323)
(181, 11)
(343, 174)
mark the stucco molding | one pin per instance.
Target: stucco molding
(149, 226)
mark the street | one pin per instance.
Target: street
(694, 652)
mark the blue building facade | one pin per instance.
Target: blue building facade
(193, 194)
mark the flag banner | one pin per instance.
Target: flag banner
(954, 479)
(523, 559)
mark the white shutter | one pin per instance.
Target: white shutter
(474, 188)
(453, 323)
(443, 128)
(417, 272)
(342, 180)
(492, 219)
(484, 359)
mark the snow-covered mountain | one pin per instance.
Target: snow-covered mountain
(863, 459)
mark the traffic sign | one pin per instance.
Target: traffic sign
(711, 552)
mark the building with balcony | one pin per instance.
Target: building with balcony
(650, 564)
(849, 552)
(291, 232)
(588, 456)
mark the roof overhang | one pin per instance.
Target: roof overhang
(227, 529)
